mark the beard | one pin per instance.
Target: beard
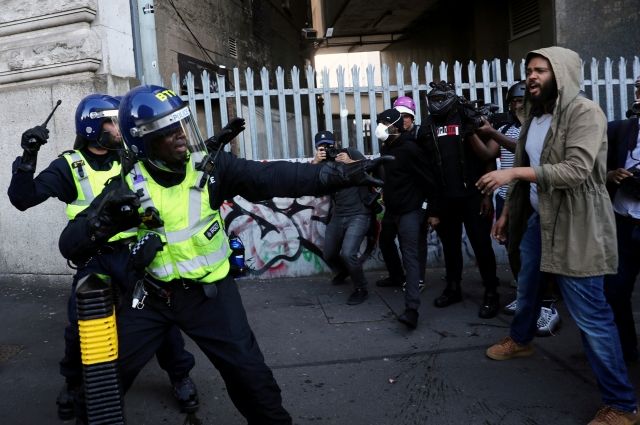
(547, 96)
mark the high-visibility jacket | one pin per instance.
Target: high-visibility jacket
(196, 245)
(89, 183)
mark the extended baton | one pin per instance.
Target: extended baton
(33, 140)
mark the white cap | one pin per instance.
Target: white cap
(404, 110)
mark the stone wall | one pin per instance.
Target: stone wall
(50, 50)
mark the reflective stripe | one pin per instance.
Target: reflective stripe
(195, 223)
(196, 244)
(193, 264)
(82, 180)
(88, 182)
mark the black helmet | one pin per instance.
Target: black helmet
(442, 97)
(516, 90)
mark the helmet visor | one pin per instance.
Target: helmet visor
(170, 140)
(110, 137)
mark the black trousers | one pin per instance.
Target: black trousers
(455, 213)
(618, 288)
(410, 228)
(218, 324)
(172, 357)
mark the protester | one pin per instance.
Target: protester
(560, 215)
(408, 183)
(445, 137)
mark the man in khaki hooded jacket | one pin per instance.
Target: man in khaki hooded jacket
(559, 216)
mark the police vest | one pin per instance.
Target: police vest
(196, 245)
(89, 183)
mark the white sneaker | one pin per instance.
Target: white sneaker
(510, 308)
(548, 321)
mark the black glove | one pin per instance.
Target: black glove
(144, 251)
(116, 212)
(33, 138)
(231, 130)
(336, 175)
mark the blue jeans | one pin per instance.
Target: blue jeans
(584, 297)
(342, 241)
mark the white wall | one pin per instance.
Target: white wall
(50, 50)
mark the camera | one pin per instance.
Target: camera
(631, 185)
(634, 111)
(332, 152)
(473, 112)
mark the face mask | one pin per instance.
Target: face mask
(382, 132)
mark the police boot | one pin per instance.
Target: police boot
(452, 294)
(185, 391)
(65, 402)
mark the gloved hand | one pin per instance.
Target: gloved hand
(231, 130)
(336, 175)
(33, 138)
(116, 212)
(144, 251)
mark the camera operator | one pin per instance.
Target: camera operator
(349, 222)
(623, 182)
(445, 137)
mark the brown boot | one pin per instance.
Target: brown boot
(509, 349)
(611, 416)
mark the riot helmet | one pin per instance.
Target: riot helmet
(405, 105)
(159, 128)
(96, 122)
(442, 98)
(516, 90)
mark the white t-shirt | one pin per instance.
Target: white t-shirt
(623, 203)
(535, 140)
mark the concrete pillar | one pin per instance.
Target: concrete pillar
(50, 50)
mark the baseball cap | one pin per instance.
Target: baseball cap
(391, 116)
(325, 138)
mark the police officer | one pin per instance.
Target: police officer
(75, 177)
(181, 259)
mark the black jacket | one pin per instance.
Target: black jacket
(622, 136)
(408, 180)
(455, 165)
(55, 181)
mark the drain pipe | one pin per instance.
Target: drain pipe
(143, 23)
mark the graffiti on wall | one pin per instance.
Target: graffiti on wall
(284, 237)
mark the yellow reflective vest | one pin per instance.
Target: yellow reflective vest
(89, 184)
(196, 245)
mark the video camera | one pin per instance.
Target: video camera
(634, 111)
(474, 111)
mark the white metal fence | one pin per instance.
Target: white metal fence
(283, 118)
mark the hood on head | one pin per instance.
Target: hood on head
(566, 65)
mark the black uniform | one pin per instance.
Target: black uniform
(56, 181)
(213, 315)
